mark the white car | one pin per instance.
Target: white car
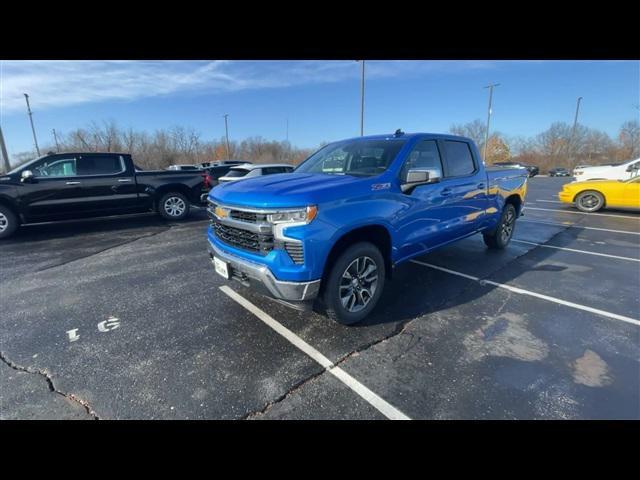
(242, 172)
(621, 171)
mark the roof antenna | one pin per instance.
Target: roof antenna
(398, 133)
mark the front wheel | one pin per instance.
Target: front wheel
(8, 222)
(501, 236)
(589, 201)
(354, 284)
(173, 206)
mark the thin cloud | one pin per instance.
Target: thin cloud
(68, 83)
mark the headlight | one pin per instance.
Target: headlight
(302, 215)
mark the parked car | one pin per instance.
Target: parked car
(243, 172)
(532, 169)
(79, 185)
(218, 163)
(334, 229)
(559, 172)
(597, 194)
(184, 167)
(621, 171)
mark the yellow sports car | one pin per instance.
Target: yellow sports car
(594, 195)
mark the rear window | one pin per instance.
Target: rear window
(100, 165)
(458, 158)
(237, 172)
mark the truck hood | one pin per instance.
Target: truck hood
(288, 190)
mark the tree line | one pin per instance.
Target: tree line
(558, 146)
(164, 147)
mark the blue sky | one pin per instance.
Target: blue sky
(320, 98)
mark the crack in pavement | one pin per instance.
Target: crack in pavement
(399, 330)
(50, 384)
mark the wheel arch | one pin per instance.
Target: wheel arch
(377, 234)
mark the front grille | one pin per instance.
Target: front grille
(250, 217)
(236, 237)
(295, 251)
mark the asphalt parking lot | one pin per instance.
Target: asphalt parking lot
(124, 318)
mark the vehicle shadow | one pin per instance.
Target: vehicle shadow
(417, 291)
(142, 222)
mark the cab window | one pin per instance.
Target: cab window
(425, 155)
(57, 167)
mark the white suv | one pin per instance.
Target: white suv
(621, 171)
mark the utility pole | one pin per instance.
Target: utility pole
(35, 140)
(3, 151)
(573, 131)
(486, 135)
(226, 129)
(287, 130)
(55, 138)
(362, 101)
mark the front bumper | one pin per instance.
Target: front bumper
(260, 277)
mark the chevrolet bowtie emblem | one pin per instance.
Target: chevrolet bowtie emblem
(221, 212)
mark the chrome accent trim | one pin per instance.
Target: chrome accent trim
(292, 291)
(264, 228)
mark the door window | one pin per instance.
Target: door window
(425, 155)
(57, 167)
(458, 159)
(100, 165)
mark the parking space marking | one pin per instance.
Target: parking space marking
(581, 213)
(577, 251)
(370, 397)
(548, 201)
(573, 225)
(522, 291)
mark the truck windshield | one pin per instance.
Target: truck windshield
(362, 158)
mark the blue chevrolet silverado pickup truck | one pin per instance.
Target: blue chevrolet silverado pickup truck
(330, 233)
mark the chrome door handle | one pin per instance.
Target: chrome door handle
(73, 183)
(124, 180)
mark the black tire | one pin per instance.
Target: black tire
(173, 206)
(499, 238)
(589, 201)
(351, 259)
(8, 222)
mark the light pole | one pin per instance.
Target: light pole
(486, 135)
(226, 129)
(573, 130)
(35, 140)
(362, 100)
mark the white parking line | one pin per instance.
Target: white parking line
(548, 201)
(372, 398)
(573, 225)
(581, 213)
(522, 291)
(577, 251)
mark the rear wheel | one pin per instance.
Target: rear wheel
(589, 201)
(354, 284)
(501, 236)
(8, 222)
(173, 206)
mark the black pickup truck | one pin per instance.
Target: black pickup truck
(80, 185)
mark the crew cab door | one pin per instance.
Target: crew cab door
(425, 224)
(465, 186)
(107, 184)
(53, 191)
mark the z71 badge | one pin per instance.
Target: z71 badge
(380, 186)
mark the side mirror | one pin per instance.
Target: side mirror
(26, 176)
(418, 176)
